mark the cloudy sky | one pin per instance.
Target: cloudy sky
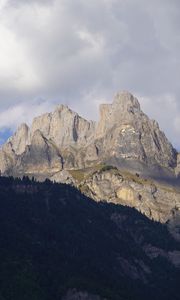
(81, 53)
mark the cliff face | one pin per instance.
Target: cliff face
(158, 201)
(126, 136)
(64, 127)
(46, 147)
(178, 165)
(61, 142)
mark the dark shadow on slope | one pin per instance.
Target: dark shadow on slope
(151, 171)
(53, 239)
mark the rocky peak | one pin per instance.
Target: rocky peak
(41, 123)
(127, 133)
(125, 101)
(20, 139)
(64, 108)
(64, 127)
(125, 110)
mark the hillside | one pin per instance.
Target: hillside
(56, 243)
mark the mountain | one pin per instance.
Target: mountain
(62, 140)
(123, 158)
(56, 243)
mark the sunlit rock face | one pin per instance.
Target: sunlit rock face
(64, 140)
(158, 201)
(60, 142)
(64, 127)
(120, 112)
(127, 133)
(178, 166)
(20, 139)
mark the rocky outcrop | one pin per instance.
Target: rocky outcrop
(155, 200)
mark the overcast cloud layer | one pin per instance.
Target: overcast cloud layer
(81, 53)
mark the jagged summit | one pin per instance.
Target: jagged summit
(125, 100)
(20, 139)
(124, 135)
(125, 109)
(62, 107)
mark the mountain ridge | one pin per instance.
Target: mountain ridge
(64, 147)
(123, 132)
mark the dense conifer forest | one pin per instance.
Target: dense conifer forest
(53, 239)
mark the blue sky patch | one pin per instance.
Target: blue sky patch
(5, 133)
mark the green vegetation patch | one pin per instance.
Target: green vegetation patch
(78, 175)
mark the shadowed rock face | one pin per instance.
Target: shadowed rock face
(125, 137)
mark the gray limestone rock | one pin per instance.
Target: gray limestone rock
(20, 139)
(178, 166)
(156, 200)
(59, 142)
(123, 134)
(41, 157)
(127, 133)
(64, 127)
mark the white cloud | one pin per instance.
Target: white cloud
(78, 52)
(177, 126)
(16, 70)
(164, 108)
(23, 113)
